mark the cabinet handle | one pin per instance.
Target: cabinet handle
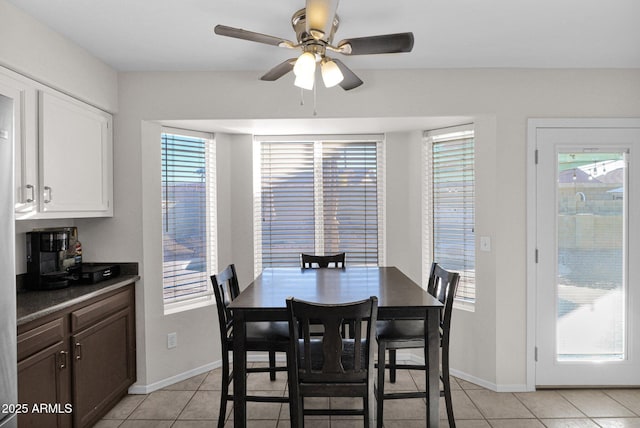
(33, 194)
(78, 351)
(63, 360)
(47, 189)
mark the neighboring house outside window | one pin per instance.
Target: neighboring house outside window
(318, 195)
(449, 206)
(188, 217)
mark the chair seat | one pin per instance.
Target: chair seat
(400, 329)
(267, 331)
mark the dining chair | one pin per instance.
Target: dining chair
(331, 365)
(271, 337)
(409, 334)
(311, 261)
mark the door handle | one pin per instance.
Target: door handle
(47, 190)
(62, 360)
(33, 193)
(78, 351)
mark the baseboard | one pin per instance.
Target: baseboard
(147, 389)
(401, 356)
(412, 358)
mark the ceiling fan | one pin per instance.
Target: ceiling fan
(315, 27)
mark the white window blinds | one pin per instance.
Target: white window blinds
(188, 215)
(350, 201)
(450, 159)
(318, 197)
(287, 199)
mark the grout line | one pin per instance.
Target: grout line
(614, 399)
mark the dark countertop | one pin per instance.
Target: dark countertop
(32, 305)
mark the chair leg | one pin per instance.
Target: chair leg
(298, 421)
(296, 402)
(365, 407)
(380, 387)
(447, 388)
(392, 365)
(225, 389)
(272, 365)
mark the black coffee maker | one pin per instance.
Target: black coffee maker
(54, 258)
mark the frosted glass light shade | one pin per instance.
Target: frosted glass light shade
(331, 74)
(304, 81)
(305, 65)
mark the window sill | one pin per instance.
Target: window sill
(464, 306)
(187, 305)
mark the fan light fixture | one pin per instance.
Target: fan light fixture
(305, 81)
(305, 65)
(331, 74)
(305, 70)
(315, 26)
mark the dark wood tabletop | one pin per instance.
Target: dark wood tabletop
(392, 287)
(398, 297)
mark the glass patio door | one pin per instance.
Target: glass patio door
(587, 292)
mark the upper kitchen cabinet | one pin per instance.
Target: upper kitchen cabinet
(25, 133)
(63, 152)
(75, 159)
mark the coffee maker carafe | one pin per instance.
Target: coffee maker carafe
(54, 257)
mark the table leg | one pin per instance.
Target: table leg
(432, 359)
(239, 370)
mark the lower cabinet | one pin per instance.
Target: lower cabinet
(44, 376)
(79, 378)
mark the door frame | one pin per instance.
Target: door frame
(532, 130)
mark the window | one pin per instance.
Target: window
(318, 195)
(188, 216)
(449, 205)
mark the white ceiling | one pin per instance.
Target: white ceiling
(148, 35)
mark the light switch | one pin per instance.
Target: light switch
(485, 243)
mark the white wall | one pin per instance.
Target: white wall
(500, 100)
(34, 50)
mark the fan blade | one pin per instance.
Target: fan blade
(239, 33)
(279, 70)
(319, 15)
(350, 80)
(388, 43)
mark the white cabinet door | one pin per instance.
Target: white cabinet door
(75, 159)
(25, 121)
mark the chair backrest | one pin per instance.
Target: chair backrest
(332, 358)
(443, 285)
(225, 288)
(309, 261)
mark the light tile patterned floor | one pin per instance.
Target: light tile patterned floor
(194, 403)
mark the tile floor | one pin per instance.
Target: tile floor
(194, 403)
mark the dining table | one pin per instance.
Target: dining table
(399, 297)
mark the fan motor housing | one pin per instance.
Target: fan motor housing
(299, 24)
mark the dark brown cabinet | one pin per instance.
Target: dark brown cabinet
(44, 375)
(80, 363)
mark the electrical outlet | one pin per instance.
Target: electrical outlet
(172, 340)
